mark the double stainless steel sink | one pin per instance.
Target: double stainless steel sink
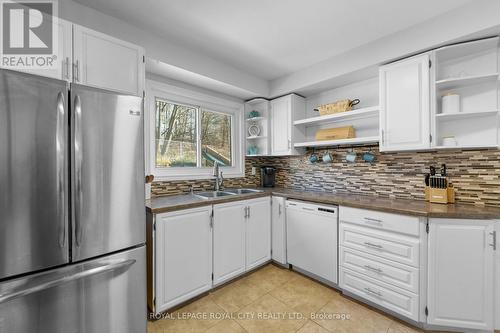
(219, 194)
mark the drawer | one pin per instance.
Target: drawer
(390, 272)
(397, 247)
(384, 221)
(395, 299)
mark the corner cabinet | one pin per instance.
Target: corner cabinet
(183, 256)
(405, 104)
(278, 230)
(258, 232)
(103, 61)
(461, 273)
(284, 111)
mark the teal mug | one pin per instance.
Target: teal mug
(351, 156)
(369, 157)
(327, 158)
(313, 158)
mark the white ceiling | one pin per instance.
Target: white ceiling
(272, 38)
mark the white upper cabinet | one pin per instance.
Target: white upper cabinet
(258, 232)
(103, 61)
(284, 111)
(62, 70)
(461, 270)
(405, 104)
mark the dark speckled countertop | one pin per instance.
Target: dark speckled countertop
(398, 206)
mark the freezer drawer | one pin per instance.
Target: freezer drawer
(107, 171)
(102, 295)
(33, 173)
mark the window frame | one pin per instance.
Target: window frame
(203, 102)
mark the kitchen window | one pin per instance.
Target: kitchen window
(188, 134)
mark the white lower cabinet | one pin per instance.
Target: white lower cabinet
(461, 273)
(229, 240)
(380, 259)
(242, 237)
(395, 299)
(183, 256)
(258, 232)
(278, 230)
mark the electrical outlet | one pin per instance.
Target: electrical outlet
(254, 170)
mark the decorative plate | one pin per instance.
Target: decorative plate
(253, 130)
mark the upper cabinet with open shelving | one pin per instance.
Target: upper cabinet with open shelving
(420, 86)
(469, 71)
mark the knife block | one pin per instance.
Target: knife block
(440, 195)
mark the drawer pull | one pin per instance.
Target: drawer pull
(376, 293)
(370, 268)
(369, 219)
(376, 246)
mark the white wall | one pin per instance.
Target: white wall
(461, 23)
(162, 79)
(366, 91)
(161, 49)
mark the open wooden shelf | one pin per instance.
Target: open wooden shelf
(359, 113)
(330, 143)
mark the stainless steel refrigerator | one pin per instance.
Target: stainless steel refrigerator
(72, 215)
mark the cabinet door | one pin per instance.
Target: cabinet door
(278, 240)
(281, 126)
(461, 273)
(62, 70)
(183, 256)
(258, 232)
(229, 241)
(102, 61)
(405, 105)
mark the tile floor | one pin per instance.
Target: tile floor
(274, 299)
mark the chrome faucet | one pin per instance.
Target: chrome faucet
(218, 178)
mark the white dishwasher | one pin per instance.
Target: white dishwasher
(312, 238)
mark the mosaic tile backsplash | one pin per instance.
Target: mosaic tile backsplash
(475, 174)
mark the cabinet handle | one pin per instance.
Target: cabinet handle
(374, 245)
(67, 67)
(370, 268)
(368, 290)
(289, 144)
(383, 138)
(494, 244)
(369, 219)
(279, 209)
(246, 214)
(309, 209)
(76, 68)
(248, 211)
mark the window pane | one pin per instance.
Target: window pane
(175, 135)
(215, 139)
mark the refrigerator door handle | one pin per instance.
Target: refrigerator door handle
(78, 169)
(59, 280)
(61, 157)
